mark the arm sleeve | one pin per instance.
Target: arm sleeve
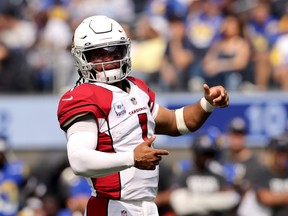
(85, 160)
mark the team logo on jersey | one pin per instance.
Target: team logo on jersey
(123, 213)
(68, 99)
(133, 100)
(119, 108)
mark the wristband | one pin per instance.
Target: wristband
(206, 105)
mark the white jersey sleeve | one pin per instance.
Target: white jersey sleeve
(155, 110)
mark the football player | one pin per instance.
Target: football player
(110, 120)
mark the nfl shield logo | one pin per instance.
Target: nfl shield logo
(133, 100)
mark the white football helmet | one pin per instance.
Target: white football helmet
(97, 34)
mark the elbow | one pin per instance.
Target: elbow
(79, 170)
(78, 165)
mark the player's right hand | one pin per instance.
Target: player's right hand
(146, 157)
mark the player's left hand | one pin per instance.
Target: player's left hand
(216, 96)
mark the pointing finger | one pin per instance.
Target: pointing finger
(206, 89)
(161, 152)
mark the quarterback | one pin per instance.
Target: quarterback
(110, 120)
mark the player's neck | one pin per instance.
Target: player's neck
(124, 85)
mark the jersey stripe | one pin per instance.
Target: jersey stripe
(105, 144)
(97, 207)
(143, 123)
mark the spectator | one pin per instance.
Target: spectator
(33, 206)
(15, 72)
(165, 185)
(226, 61)
(164, 7)
(77, 193)
(16, 36)
(262, 31)
(239, 161)
(203, 25)
(15, 32)
(271, 183)
(202, 190)
(178, 56)
(148, 48)
(14, 174)
(123, 10)
(50, 57)
(202, 28)
(279, 56)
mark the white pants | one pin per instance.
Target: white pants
(108, 207)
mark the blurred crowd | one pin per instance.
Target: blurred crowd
(224, 177)
(47, 188)
(176, 44)
(220, 176)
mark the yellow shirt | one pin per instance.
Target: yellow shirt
(147, 55)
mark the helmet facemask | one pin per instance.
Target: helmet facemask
(96, 72)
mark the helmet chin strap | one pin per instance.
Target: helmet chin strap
(78, 82)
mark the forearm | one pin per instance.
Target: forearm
(88, 162)
(191, 117)
(272, 198)
(184, 120)
(195, 116)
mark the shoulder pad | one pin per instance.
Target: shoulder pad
(85, 98)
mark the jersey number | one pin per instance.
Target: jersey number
(143, 124)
